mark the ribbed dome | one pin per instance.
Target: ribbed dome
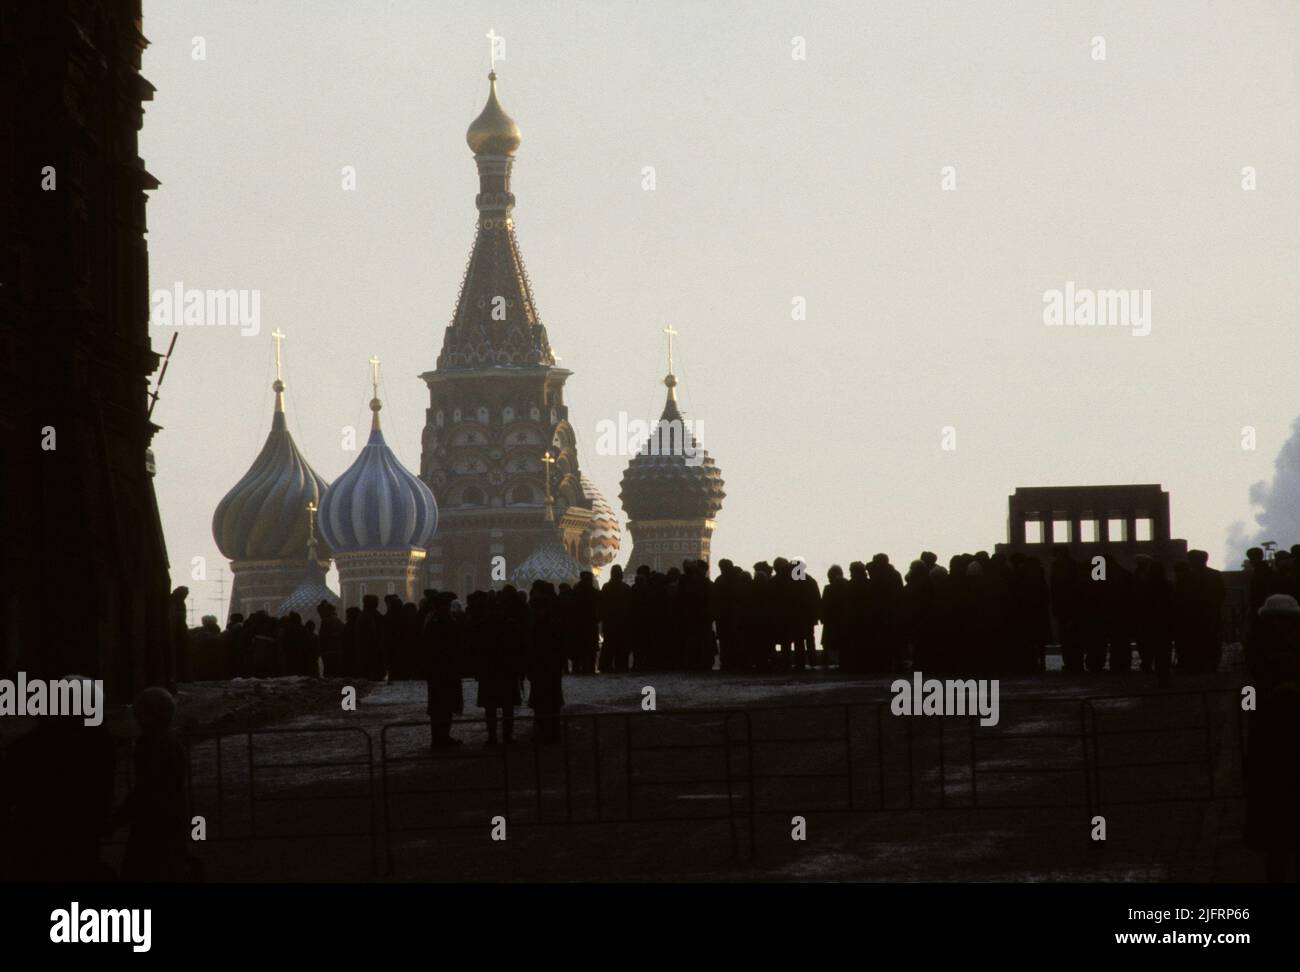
(681, 481)
(605, 533)
(377, 504)
(264, 517)
(548, 562)
(493, 132)
(308, 594)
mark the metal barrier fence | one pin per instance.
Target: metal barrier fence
(276, 807)
(716, 767)
(1203, 757)
(1059, 754)
(549, 785)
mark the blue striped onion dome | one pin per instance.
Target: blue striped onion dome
(377, 504)
(264, 516)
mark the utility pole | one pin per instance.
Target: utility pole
(220, 596)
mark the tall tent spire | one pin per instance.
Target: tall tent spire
(496, 322)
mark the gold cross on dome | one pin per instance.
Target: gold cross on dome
(671, 334)
(311, 530)
(374, 375)
(278, 335)
(549, 460)
(492, 37)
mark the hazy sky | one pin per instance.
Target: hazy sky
(775, 178)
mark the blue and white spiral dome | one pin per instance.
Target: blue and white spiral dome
(377, 504)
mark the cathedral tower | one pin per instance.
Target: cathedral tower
(262, 525)
(496, 400)
(672, 490)
(379, 519)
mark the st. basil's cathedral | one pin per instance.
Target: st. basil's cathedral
(500, 496)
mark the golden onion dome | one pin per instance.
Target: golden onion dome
(493, 132)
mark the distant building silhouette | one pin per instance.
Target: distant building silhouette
(1122, 521)
(84, 567)
(496, 399)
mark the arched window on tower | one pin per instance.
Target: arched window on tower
(507, 415)
(483, 414)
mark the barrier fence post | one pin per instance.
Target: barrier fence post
(1083, 752)
(848, 749)
(880, 753)
(595, 760)
(749, 775)
(370, 801)
(1242, 723)
(731, 810)
(388, 822)
(1209, 740)
(188, 742)
(252, 795)
(1096, 769)
(943, 772)
(753, 819)
(505, 772)
(221, 795)
(568, 776)
(537, 770)
(911, 769)
(627, 743)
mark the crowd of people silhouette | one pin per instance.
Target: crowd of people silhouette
(981, 614)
